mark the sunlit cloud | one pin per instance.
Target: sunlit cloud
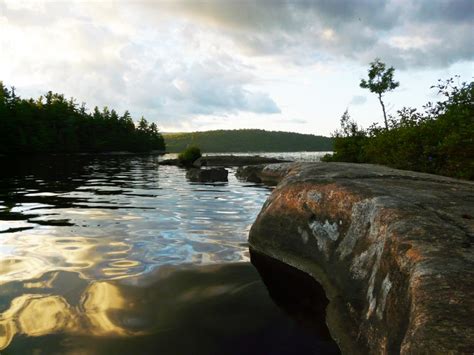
(176, 62)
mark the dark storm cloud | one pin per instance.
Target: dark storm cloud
(304, 32)
(455, 11)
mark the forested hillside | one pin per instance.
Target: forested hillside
(54, 124)
(247, 140)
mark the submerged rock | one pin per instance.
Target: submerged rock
(207, 175)
(392, 249)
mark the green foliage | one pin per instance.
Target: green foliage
(439, 141)
(53, 124)
(346, 149)
(380, 81)
(189, 155)
(247, 140)
(380, 78)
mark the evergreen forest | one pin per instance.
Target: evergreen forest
(54, 124)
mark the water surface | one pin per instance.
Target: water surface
(120, 255)
(118, 217)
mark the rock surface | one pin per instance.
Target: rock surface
(227, 160)
(237, 160)
(393, 250)
(169, 162)
(207, 175)
(197, 163)
(270, 174)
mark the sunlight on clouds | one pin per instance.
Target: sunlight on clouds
(412, 42)
(25, 5)
(328, 34)
(176, 62)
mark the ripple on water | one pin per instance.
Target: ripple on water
(110, 239)
(125, 216)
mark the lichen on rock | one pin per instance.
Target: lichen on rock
(324, 233)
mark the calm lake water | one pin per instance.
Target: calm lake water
(117, 255)
(291, 156)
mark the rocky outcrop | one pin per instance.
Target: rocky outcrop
(393, 250)
(270, 174)
(207, 175)
(226, 160)
(237, 160)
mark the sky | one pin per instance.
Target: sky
(214, 64)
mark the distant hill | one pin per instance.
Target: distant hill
(247, 140)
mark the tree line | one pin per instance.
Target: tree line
(54, 124)
(247, 140)
(439, 140)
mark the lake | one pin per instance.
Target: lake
(118, 255)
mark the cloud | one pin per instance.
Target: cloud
(293, 121)
(358, 100)
(170, 72)
(217, 86)
(305, 32)
(178, 62)
(180, 88)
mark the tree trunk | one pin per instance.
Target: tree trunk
(384, 114)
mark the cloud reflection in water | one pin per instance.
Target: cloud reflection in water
(175, 309)
(115, 218)
(106, 238)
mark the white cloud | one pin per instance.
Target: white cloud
(358, 100)
(305, 32)
(223, 64)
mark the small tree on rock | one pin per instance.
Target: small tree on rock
(380, 81)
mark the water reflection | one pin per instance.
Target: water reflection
(122, 256)
(116, 217)
(212, 309)
(295, 292)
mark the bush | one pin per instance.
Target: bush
(438, 141)
(348, 142)
(189, 156)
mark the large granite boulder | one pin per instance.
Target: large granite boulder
(207, 175)
(393, 250)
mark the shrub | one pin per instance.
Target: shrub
(189, 155)
(438, 141)
(348, 142)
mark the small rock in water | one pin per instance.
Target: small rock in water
(198, 163)
(207, 175)
(169, 162)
